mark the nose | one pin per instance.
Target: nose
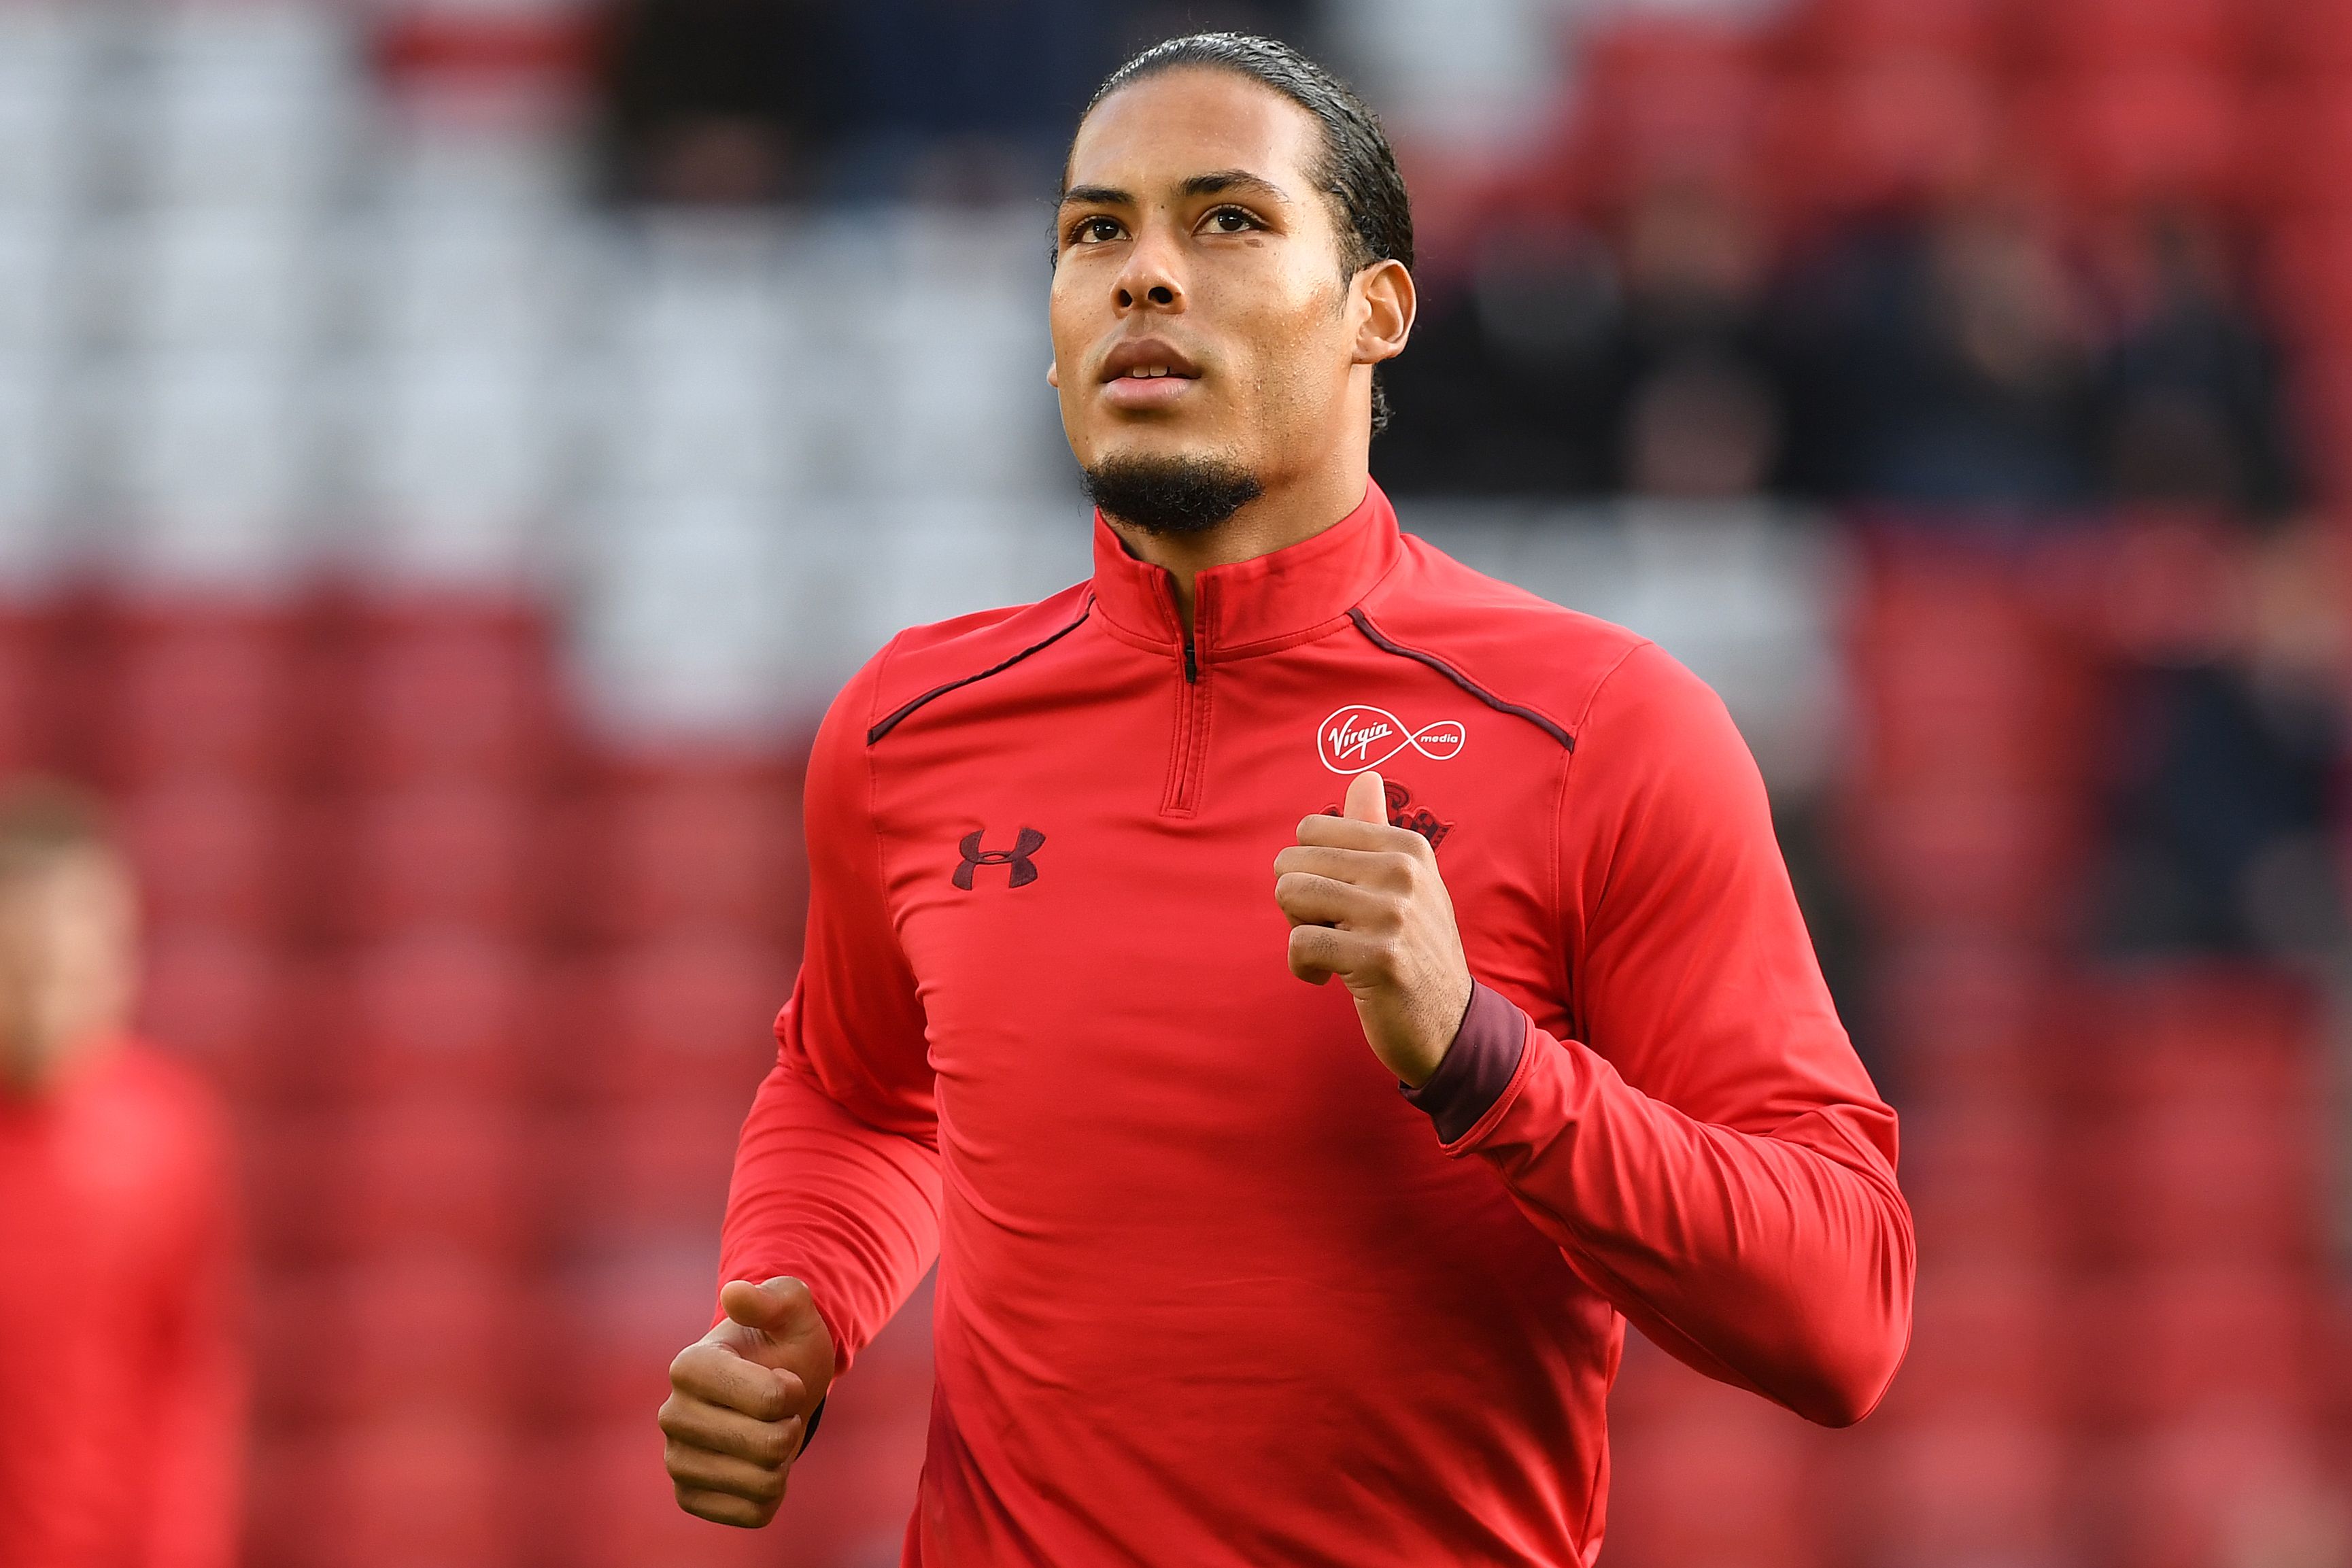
(1148, 282)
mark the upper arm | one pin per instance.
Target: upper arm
(854, 1025)
(1693, 974)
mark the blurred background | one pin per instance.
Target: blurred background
(451, 449)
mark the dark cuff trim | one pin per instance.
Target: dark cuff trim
(808, 1432)
(1476, 1068)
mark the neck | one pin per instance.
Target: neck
(1285, 515)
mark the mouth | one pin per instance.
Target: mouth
(1149, 372)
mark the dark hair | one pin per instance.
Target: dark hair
(43, 820)
(1357, 171)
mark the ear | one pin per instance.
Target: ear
(1054, 375)
(1386, 289)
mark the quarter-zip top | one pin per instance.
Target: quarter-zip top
(1211, 1291)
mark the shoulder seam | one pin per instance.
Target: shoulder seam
(1381, 640)
(876, 734)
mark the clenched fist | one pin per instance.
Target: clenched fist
(739, 1401)
(1366, 903)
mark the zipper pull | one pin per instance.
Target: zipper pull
(1192, 662)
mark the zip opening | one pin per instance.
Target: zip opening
(1183, 794)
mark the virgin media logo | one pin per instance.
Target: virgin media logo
(1359, 736)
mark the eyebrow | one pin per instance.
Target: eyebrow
(1218, 182)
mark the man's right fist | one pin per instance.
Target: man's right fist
(739, 1401)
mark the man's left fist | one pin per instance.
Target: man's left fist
(1366, 903)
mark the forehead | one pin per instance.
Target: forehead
(1157, 132)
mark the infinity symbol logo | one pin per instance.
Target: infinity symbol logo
(1358, 737)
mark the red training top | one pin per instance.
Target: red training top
(1210, 1290)
(121, 1372)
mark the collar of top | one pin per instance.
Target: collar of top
(1292, 596)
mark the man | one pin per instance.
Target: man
(1211, 1288)
(122, 1385)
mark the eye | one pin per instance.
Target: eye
(1232, 220)
(1094, 230)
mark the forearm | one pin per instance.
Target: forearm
(1780, 1261)
(821, 1195)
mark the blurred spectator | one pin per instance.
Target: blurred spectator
(2190, 400)
(718, 102)
(734, 103)
(1947, 365)
(2223, 764)
(1698, 409)
(1503, 391)
(1568, 367)
(119, 1373)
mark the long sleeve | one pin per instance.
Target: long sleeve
(1711, 1155)
(836, 1177)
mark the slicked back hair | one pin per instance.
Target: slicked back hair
(1358, 170)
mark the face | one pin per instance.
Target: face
(67, 960)
(1200, 310)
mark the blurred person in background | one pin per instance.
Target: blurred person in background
(1948, 363)
(1218, 1283)
(121, 1371)
(735, 103)
(1697, 401)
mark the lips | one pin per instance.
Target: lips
(1149, 359)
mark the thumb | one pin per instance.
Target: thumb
(770, 1308)
(1368, 799)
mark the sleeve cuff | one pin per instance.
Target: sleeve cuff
(1476, 1068)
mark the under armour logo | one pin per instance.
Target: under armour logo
(1025, 870)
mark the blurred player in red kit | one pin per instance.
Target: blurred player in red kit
(1237, 1266)
(121, 1373)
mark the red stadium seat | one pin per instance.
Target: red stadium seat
(2201, 1035)
(433, 1014)
(452, 692)
(214, 996)
(1979, 1179)
(2112, 34)
(1976, 1487)
(659, 1167)
(2311, 281)
(1747, 1461)
(2195, 1181)
(200, 692)
(1986, 1337)
(683, 850)
(1669, 100)
(450, 1177)
(394, 1336)
(1945, 857)
(1965, 1018)
(1863, 31)
(625, 1303)
(428, 1489)
(1865, 134)
(449, 853)
(2166, 1343)
(2297, 146)
(2246, 1486)
(28, 690)
(2144, 136)
(206, 847)
(691, 1015)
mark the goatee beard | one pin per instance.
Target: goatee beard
(1171, 495)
